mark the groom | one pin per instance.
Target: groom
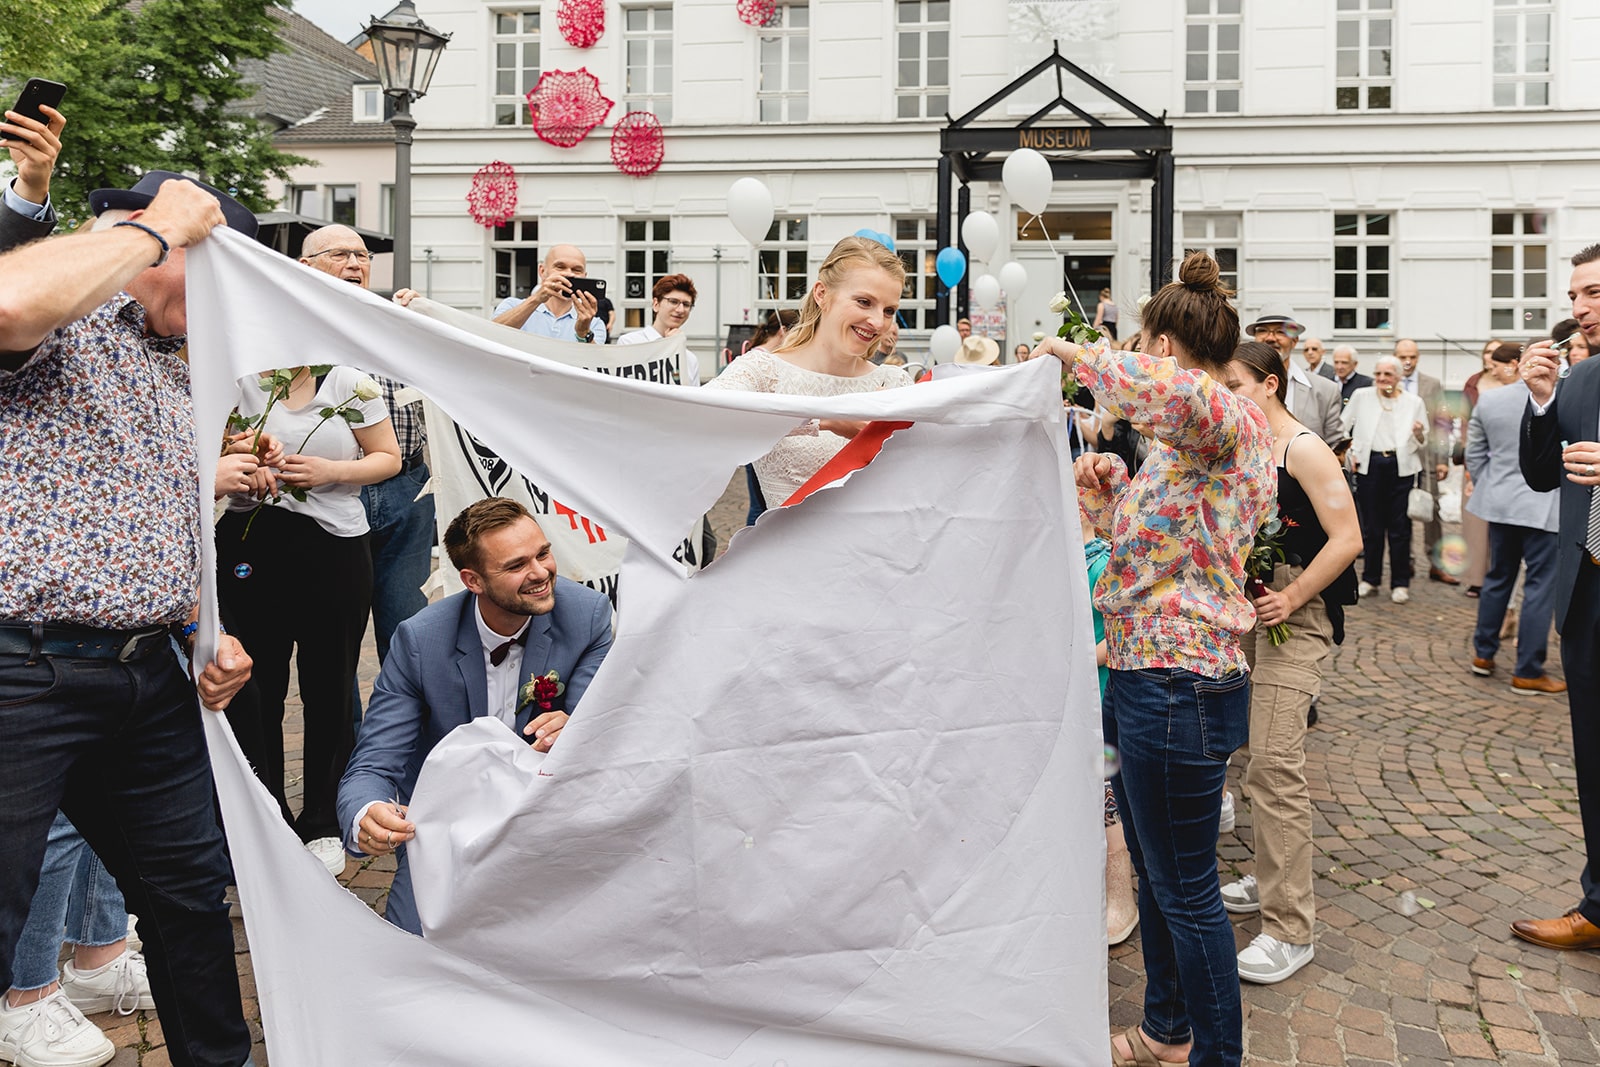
(474, 654)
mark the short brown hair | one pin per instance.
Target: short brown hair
(1261, 360)
(1507, 353)
(1586, 255)
(673, 283)
(480, 518)
(1195, 312)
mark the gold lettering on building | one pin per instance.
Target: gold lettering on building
(1059, 138)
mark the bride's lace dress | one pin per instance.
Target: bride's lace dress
(793, 460)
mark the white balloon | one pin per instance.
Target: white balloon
(750, 208)
(986, 291)
(1027, 178)
(1014, 279)
(943, 344)
(981, 234)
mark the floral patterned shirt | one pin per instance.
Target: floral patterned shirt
(99, 524)
(1173, 594)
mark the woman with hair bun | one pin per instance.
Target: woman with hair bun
(827, 352)
(1177, 703)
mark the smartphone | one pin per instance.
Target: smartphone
(38, 92)
(595, 287)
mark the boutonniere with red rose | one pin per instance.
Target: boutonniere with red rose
(542, 692)
(1265, 555)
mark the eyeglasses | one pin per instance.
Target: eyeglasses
(360, 255)
(1275, 329)
(686, 305)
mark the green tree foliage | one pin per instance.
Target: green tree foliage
(151, 87)
(35, 34)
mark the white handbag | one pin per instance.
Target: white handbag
(1419, 505)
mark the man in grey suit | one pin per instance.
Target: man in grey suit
(520, 644)
(1312, 399)
(1522, 530)
(1315, 352)
(1441, 443)
(25, 210)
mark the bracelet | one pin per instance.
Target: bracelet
(166, 249)
(189, 629)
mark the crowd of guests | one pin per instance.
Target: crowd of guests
(1199, 438)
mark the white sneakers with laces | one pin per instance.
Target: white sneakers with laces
(1242, 897)
(51, 1033)
(330, 850)
(1267, 960)
(1401, 595)
(120, 986)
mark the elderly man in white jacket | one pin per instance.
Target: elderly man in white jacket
(1387, 428)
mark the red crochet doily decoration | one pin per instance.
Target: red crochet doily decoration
(581, 22)
(637, 144)
(757, 12)
(566, 105)
(492, 200)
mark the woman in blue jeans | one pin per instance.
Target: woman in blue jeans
(1173, 596)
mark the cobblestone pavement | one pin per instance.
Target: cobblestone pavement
(1445, 808)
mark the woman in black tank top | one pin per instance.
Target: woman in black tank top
(1307, 593)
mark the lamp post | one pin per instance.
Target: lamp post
(405, 50)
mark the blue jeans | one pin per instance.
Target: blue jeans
(118, 747)
(1175, 731)
(75, 895)
(402, 549)
(1509, 547)
(758, 502)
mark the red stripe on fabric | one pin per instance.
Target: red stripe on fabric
(862, 449)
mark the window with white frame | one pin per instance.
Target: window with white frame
(366, 102)
(1519, 271)
(1364, 56)
(1211, 81)
(646, 259)
(342, 204)
(515, 245)
(332, 203)
(386, 207)
(1219, 237)
(516, 65)
(647, 47)
(1522, 52)
(781, 276)
(303, 200)
(922, 83)
(916, 243)
(785, 47)
(1362, 252)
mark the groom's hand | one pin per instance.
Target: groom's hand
(383, 829)
(545, 729)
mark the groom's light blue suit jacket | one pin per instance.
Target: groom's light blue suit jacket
(433, 680)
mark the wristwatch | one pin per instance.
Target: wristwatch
(588, 338)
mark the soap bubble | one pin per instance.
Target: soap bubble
(1111, 761)
(1527, 316)
(1450, 554)
(1408, 903)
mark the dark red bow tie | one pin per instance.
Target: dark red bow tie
(498, 656)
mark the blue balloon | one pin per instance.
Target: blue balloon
(873, 235)
(951, 265)
(886, 241)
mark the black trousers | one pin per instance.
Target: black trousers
(1580, 659)
(119, 747)
(293, 589)
(1381, 498)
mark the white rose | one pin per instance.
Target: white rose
(366, 389)
(1038, 335)
(1059, 304)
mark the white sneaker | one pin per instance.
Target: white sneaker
(1401, 595)
(51, 1033)
(1225, 825)
(1267, 960)
(120, 986)
(1242, 897)
(133, 934)
(330, 850)
(1366, 589)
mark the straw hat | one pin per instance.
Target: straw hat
(978, 350)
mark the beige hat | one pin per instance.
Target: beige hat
(978, 350)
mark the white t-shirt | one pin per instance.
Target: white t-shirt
(336, 508)
(691, 363)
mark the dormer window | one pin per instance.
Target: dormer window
(366, 103)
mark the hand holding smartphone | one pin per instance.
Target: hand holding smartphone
(38, 93)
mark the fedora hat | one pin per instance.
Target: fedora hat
(980, 351)
(1278, 314)
(144, 190)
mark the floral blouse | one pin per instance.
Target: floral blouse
(1173, 594)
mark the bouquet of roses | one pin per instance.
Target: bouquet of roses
(1076, 329)
(1265, 555)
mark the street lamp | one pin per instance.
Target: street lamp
(405, 49)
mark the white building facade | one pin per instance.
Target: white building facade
(1389, 168)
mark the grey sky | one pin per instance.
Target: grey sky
(342, 18)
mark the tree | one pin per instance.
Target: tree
(35, 34)
(153, 86)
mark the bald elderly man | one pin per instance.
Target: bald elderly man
(553, 309)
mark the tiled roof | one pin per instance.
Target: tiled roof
(314, 74)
